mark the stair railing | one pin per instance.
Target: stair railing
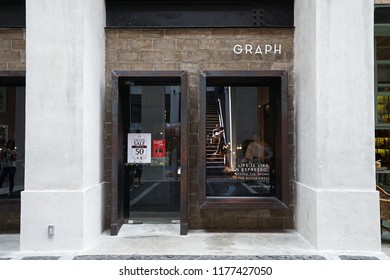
(221, 123)
(220, 115)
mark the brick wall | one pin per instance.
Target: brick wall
(194, 50)
(12, 49)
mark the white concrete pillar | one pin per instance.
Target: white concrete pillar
(337, 206)
(65, 57)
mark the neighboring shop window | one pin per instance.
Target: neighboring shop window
(382, 96)
(244, 138)
(382, 92)
(12, 133)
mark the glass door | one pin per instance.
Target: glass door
(152, 121)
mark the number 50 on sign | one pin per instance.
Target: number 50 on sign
(139, 148)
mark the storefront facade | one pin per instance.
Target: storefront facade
(136, 95)
(175, 50)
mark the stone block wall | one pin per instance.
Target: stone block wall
(194, 50)
(12, 49)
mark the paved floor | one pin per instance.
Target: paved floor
(151, 241)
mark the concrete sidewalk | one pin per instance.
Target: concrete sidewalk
(158, 241)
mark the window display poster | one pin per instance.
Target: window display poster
(139, 148)
(252, 171)
(159, 149)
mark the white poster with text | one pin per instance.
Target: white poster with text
(139, 148)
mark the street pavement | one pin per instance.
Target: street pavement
(163, 241)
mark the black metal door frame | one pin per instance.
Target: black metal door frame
(118, 192)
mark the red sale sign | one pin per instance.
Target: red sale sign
(159, 148)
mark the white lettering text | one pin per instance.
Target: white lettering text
(258, 49)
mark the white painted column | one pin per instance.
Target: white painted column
(64, 124)
(337, 206)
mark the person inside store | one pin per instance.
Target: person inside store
(8, 157)
(217, 138)
(257, 151)
(138, 173)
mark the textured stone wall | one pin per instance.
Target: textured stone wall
(12, 49)
(194, 50)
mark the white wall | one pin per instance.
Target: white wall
(64, 124)
(336, 202)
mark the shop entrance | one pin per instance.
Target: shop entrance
(152, 119)
(149, 152)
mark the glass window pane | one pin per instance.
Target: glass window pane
(383, 75)
(384, 89)
(154, 111)
(240, 142)
(12, 130)
(382, 48)
(383, 107)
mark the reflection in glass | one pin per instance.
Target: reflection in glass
(383, 108)
(383, 75)
(12, 127)
(154, 186)
(240, 137)
(382, 48)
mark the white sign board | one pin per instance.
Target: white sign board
(139, 148)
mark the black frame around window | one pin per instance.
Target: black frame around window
(277, 81)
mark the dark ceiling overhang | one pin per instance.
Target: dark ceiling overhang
(176, 13)
(12, 78)
(12, 13)
(199, 13)
(185, 13)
